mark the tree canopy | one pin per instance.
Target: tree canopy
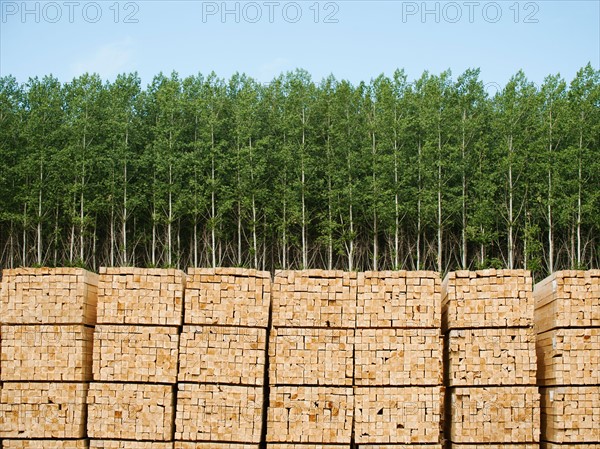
(387, 174)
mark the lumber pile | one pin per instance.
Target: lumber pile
(42, 410)
(222, 350)
(571, 414)
(310, 414)
(314, 298)
(219, 413)
(490, 358)
(127, 353)
(399, 299)
(494, 414)
(130, 411)
(484, 357)
(569, 356)
(398, 415)
(398, 359)
(311, 357)
(567, 317)
(136, 296)
(222, 354)
(228, 296)
(45, 352)
(48, 296)
(487, 298)
(135, 357)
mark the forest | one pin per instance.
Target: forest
(434, 173)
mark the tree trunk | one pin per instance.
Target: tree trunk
(375, 194)
(39, 221)
(510, 206)
(170, 219)
(213, 224)
(419, 209)
(464, 198)
(550, 199)
(579, 183)
(396, 208)
(125, 259)
(439, 205)
(304, 244)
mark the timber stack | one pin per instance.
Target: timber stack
(398, 360)
(490, 360)
(311, 401)
(567, 319)
(222, 359)
(136, 347)
(47, 318)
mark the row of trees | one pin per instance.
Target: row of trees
(390, 174)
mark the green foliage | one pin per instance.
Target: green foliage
(386, 174)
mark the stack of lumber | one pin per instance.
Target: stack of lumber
(567, 318)
(46, 356)
(490, 360)
(135, 357)
(222, 363)
(311, 348)
(398, 359)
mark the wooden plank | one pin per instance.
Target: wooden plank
(221, 413)
(314, 298)
(49, 352)
(141, 296)
(214, 445)
(311, 356)
(234, 355)
(495, 446)
(547, 445)
(479, 357)
(571, 414)
(307, 446)
(44, 444)
(401, 446)
(125, 444)
(399, 299)
(487, 298)
(395, 415)
(494, 414)
(310, 415)
(48, 296)
(127, 353)
(398, 357)
(227, 296)
(130, 411)
(42, 410)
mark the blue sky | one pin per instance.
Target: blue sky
(355, 40)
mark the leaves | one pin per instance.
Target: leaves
(384, 174)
